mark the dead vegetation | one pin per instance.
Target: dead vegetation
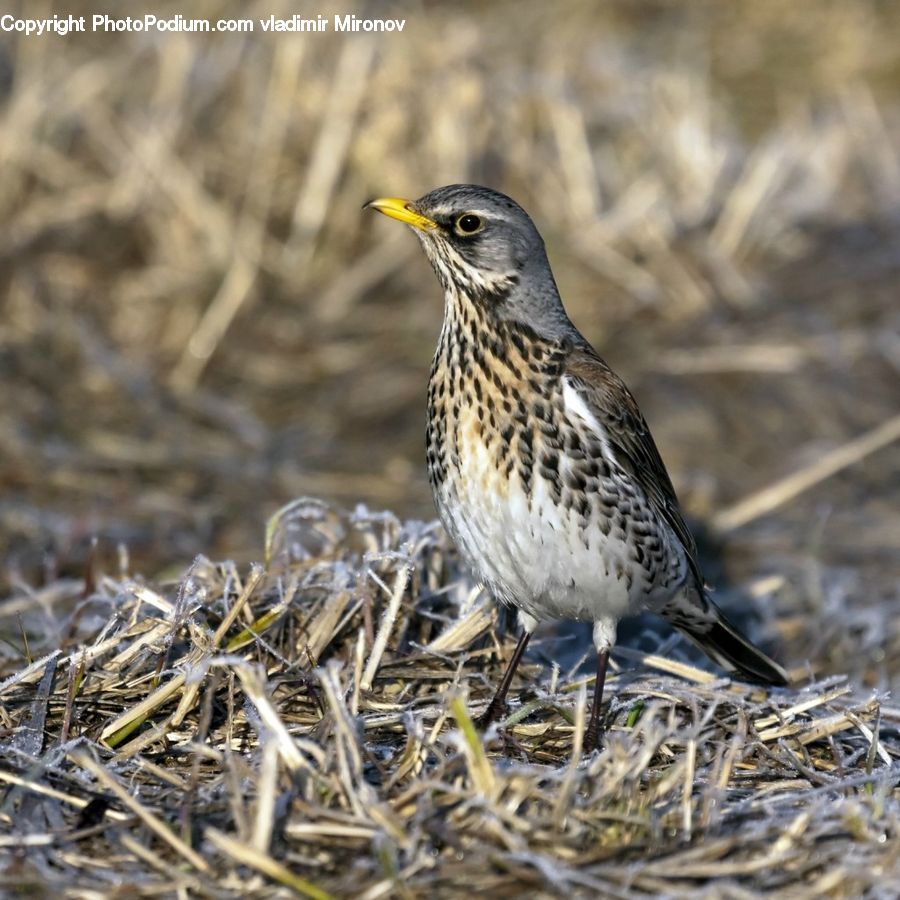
(197, 318)
(308, 725)
(198, 325)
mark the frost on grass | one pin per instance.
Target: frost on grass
(308, 724)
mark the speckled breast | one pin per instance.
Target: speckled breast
(525, 490)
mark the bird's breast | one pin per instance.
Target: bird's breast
(484, 411)
(523, 487)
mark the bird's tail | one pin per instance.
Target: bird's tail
(706, 625)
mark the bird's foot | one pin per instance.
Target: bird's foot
(494, 712)
(593, 740)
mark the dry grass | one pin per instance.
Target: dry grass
(308, 725)
(194, 308)
(197, 324)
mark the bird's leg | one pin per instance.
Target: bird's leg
(592, 738)
(498, 704)
(604, 638)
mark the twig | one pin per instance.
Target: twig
(779, 493)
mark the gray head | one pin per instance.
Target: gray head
(485, 249)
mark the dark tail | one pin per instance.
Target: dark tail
(723, 643)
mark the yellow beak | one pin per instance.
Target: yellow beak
(397, 208)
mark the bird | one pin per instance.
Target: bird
(543, 469)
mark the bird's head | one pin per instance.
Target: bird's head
(485, 249)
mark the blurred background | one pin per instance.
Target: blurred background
(198, 323)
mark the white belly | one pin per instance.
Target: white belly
(532, 552)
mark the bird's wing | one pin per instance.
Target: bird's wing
(615, 409)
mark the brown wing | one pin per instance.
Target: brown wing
(616, 409)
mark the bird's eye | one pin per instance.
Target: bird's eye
(469, 223)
